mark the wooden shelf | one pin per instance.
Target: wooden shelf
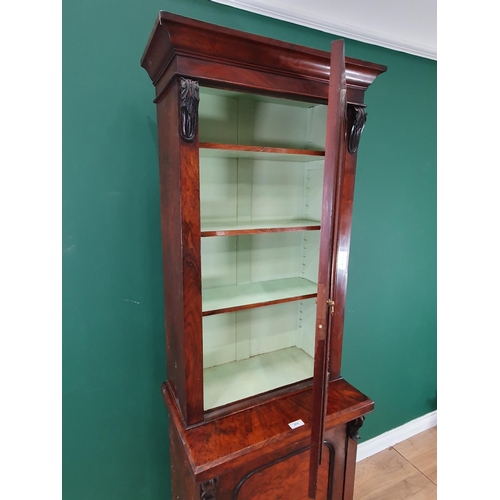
(238, 297)
(254, 227)
(212, 149)
(241, 379)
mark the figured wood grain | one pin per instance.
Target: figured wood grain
(280, 472)
(191, 266)
(230, 59)
(284, 478)
(171, 228)
(238, 151)
(220, 445)
(210, 229)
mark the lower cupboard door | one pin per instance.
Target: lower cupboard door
(287, 478)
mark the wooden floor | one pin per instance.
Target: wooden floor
(405, 470)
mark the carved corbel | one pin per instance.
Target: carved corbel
(208, 489)
(190, 97)
(353, 427)
(356, 115)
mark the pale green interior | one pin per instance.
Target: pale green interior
(247, 352)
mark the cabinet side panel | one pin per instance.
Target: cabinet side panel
(183, 484)
(180, 214)
(350, 468)
(191, 268)
(171, 241)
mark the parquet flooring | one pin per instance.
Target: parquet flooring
(405, 470)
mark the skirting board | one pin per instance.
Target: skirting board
(394, 436)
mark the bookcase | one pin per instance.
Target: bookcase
(257, 158)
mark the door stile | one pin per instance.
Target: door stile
(325, 302)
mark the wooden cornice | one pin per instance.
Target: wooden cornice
(176, 36)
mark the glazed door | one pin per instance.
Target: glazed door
(325, 306)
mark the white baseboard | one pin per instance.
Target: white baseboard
(394, 436)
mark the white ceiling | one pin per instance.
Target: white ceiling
(405, 25)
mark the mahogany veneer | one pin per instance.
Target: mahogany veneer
(261, 149)
(223, 444)
(246, 449)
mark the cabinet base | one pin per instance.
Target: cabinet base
(256, 455)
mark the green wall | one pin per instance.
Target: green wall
(115, 427)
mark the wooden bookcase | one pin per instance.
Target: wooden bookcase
(257, 157)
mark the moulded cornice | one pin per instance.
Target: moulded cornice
(173, 35)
